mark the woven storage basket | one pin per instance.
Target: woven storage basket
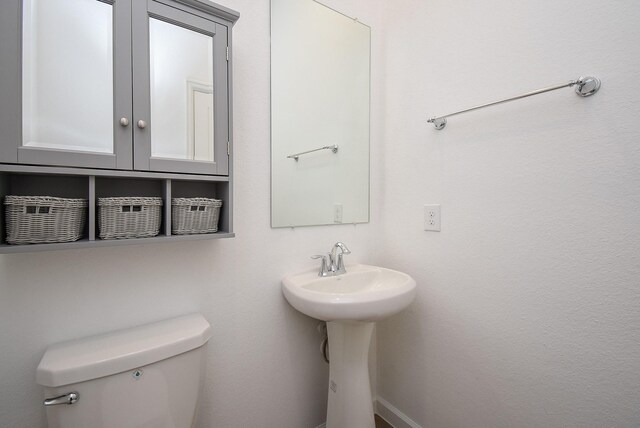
(129, 217)
(44, 219)
(194, 215)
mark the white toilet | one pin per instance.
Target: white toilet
(143, 377)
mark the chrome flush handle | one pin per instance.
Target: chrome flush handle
(70, 398)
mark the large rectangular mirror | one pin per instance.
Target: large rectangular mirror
(320, 67)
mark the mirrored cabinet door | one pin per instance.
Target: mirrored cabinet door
(180, 99)
(68, 73)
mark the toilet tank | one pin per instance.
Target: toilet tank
(144, 377)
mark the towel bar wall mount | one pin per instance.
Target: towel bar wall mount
(584, 86)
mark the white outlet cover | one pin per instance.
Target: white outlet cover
(432, 218)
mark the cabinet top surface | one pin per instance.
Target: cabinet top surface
(214, 8)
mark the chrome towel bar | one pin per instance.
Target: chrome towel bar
(585, 86)
(333, 148)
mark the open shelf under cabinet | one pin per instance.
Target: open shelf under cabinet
(93, 184)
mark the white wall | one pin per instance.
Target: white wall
(528, 309)
(264, 367)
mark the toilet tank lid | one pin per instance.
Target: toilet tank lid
(98, 356)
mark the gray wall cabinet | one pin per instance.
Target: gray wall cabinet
(116, 98)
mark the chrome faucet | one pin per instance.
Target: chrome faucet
(332, 262)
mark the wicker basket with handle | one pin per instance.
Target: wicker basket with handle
(129, 217)
(194, 215)
(44, 219)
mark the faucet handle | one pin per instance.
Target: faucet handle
(324, 267)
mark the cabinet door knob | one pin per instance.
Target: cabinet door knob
(124, 121)
(142, 124)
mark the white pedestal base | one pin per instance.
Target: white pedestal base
(350, 404)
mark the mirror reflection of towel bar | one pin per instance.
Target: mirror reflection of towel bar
(333, 148)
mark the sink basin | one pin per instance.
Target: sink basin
(350, 303)
(364, 293)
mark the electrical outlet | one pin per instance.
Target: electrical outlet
(432, 218)
(337, 213)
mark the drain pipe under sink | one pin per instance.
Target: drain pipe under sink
(324, 345)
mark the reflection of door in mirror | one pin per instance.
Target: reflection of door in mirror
(200, 121)
(320, 61)
(182, 123)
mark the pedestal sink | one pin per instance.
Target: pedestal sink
(350, 303)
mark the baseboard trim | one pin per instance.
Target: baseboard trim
(393, 415)
(389, 413)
